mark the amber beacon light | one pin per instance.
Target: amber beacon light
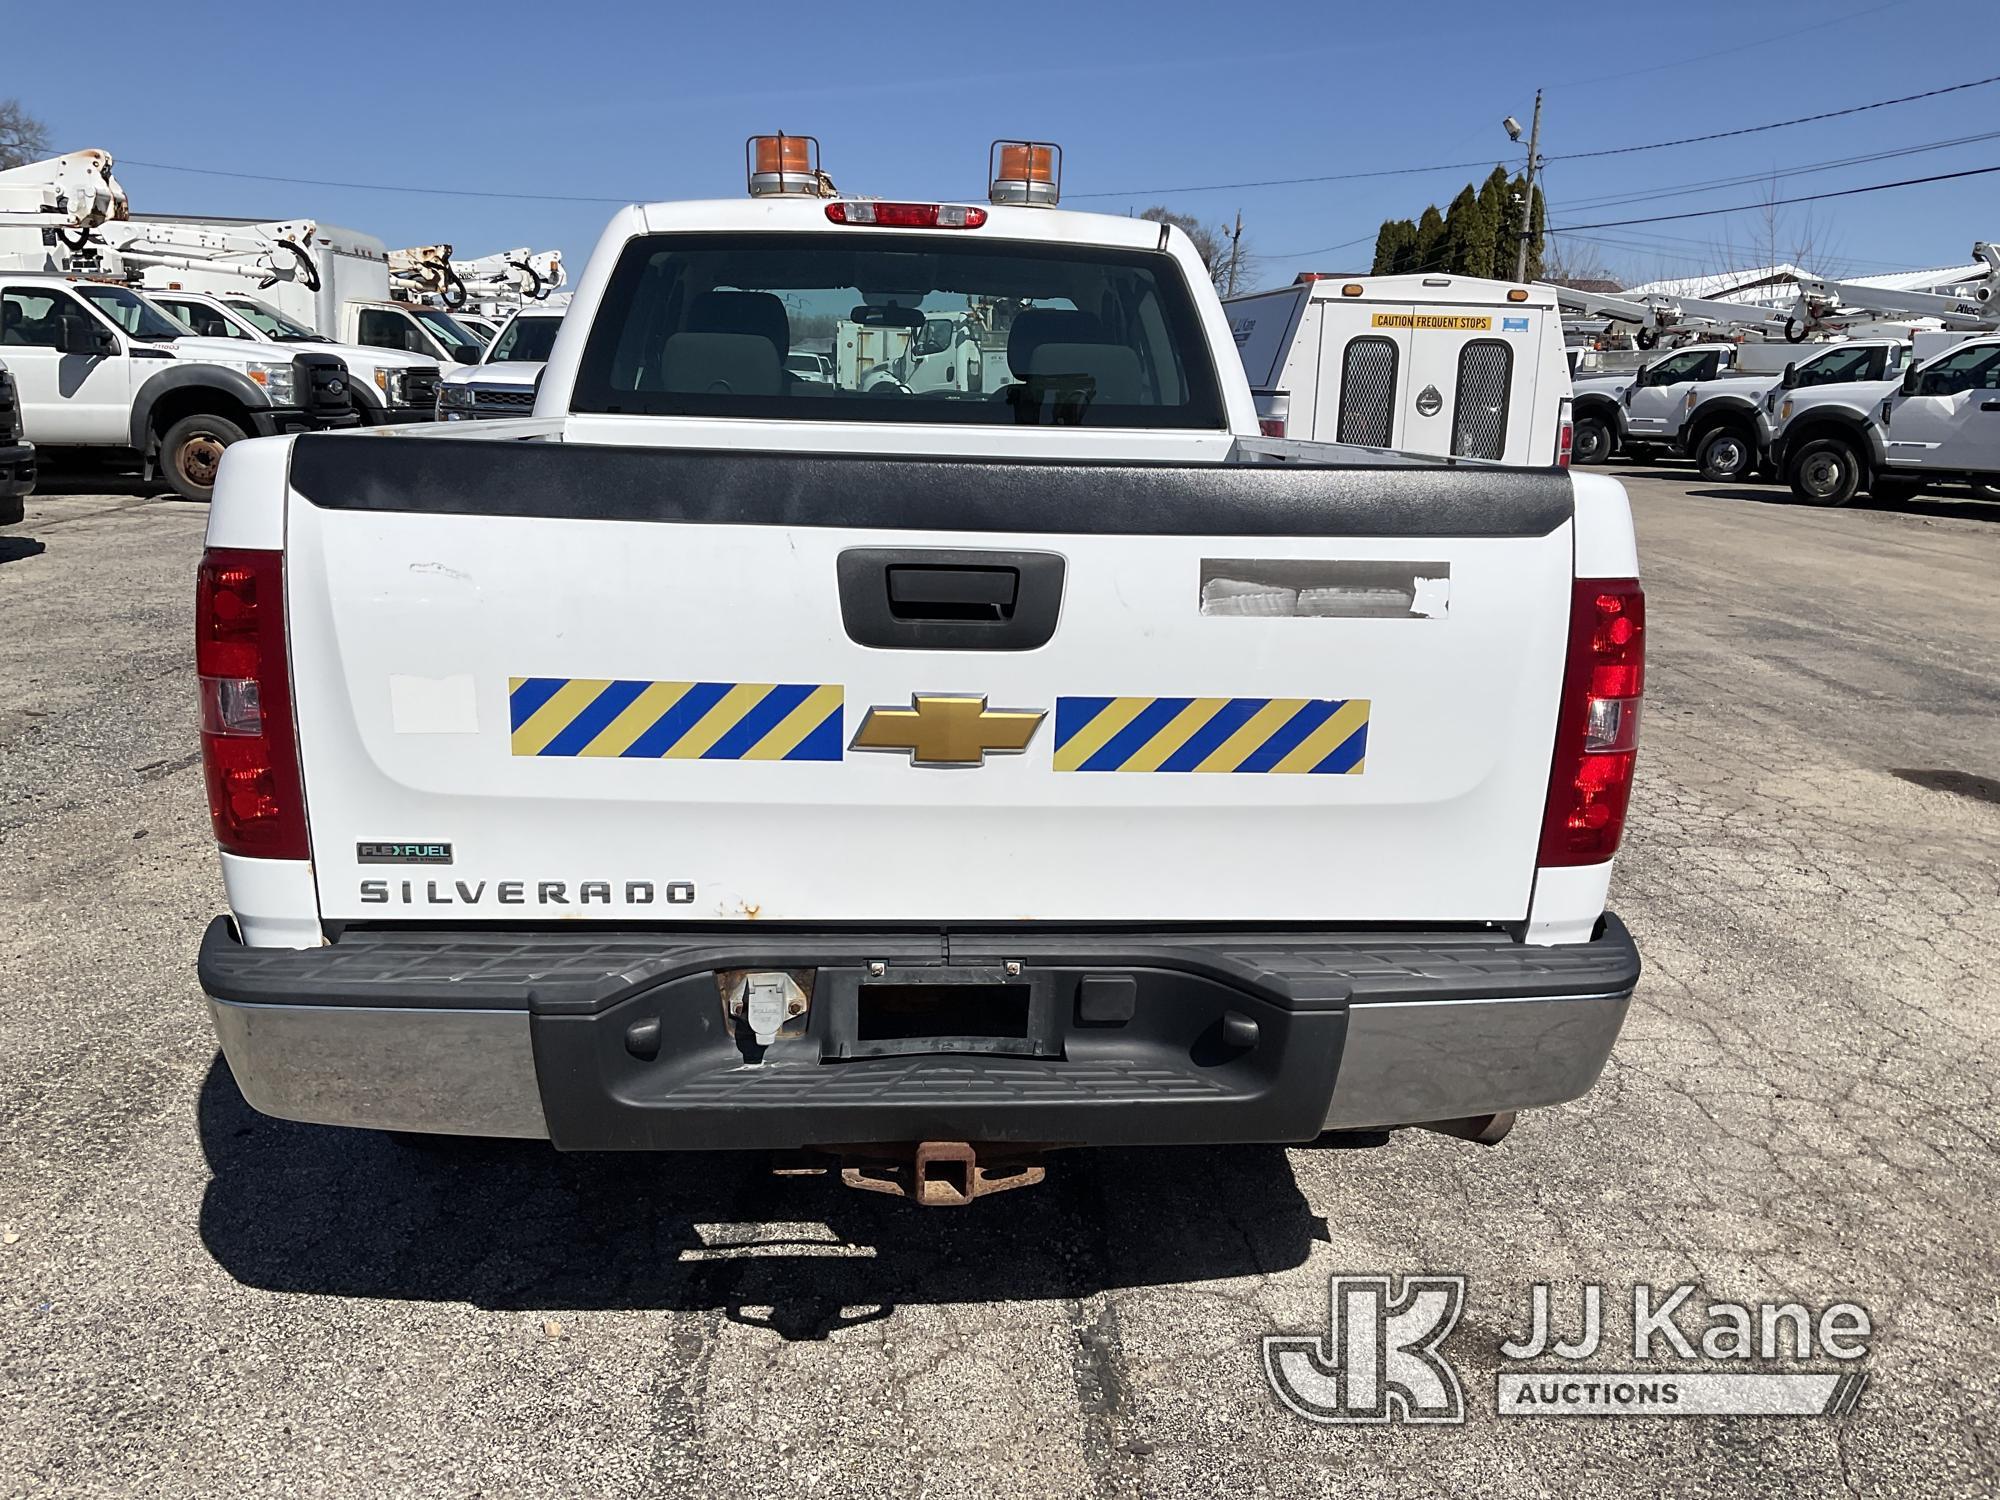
(1026, 173)
(782, 164)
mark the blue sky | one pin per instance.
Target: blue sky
(647, 101)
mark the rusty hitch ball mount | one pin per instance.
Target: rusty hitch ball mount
(932, 1174)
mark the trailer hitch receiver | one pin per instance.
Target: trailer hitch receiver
(941, 1174)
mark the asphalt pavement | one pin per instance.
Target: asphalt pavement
(199, 1301)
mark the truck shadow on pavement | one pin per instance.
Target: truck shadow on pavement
(519, 1226)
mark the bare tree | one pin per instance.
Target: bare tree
(1221, 249)
(1567, 261)
(23, 138)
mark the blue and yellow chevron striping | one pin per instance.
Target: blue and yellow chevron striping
(597, 716)
(1316, 736)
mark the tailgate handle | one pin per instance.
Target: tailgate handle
(953, 593)
(949, 599)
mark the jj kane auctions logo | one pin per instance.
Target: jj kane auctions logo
(1381, 1358)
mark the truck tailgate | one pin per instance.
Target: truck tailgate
(552, 681)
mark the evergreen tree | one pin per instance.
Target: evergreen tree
(1430, 240)
(1501, 191)
(1389, 243)
(1478, 235)
(1468, 236)
(1537, 227)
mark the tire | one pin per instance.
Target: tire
(1825, 471)
(1590, 441)
(1725, 454)
(191, 449)
(1646, 338)
(1894, 489)
(1795, 331)
(1986, 489)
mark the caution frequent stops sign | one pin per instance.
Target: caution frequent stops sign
(1448, 322)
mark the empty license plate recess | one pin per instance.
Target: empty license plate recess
(918, 1010)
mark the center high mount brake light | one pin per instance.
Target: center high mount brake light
(906, 215)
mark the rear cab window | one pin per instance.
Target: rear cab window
(922, 328)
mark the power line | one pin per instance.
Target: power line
(1704, 213)
(1831, 114)
(1320, 249)
(1641, 195)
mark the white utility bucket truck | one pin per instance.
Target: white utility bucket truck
(224, 279)
(326, 279)
(98, 368)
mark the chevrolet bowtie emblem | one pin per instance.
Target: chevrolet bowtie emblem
(948, 729)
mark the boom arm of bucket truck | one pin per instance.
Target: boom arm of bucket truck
(1656, 313)
(425, 271)
(527, 274)
(61, 199)
(263, 254)
(1973, 308)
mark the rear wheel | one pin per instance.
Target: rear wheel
(1591, 441)
(191, 451)
(1825, 471)
(1725, 454)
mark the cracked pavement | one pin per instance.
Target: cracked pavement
(199, 1301)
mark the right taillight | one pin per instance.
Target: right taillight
(255, 796)
(1597, 731)
(1565, 435)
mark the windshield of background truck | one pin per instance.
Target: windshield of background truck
(526, 339)
(1972, 369)
(274, 324)
(134, 314)
(1839, 365)
(1677, 367)
(202, 319)
(447, 330)
(1053, 335)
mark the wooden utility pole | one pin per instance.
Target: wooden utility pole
(1235, 254)
(1528, 198)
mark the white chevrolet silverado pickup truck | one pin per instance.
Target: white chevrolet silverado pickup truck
(717, 759)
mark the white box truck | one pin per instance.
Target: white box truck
(1451, 365)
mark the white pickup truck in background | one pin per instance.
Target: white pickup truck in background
(718, 759)
(502, 384)
(1938, 424)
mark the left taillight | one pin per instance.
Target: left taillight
(1597, 731)
(1565, 434)
(256, 799)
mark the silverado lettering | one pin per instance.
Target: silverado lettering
(515, 892)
